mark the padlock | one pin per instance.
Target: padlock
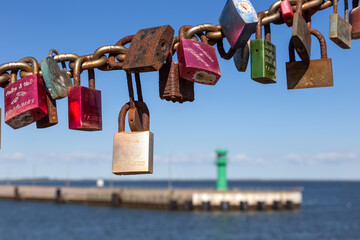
(57, 81)
(84, 103)
(263, 55)
(238, 21)
(355, 19)
(241, 57)
(316, 73)
(149, 49)
(51, 118)
(197, 60)
(171, 86)
(340, 29)
(287, 12)
(133, 151)
(25, 99)
(301, 37)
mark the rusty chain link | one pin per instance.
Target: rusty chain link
(207, 32)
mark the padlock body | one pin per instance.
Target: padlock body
(51, 118)
(340, 31)
(238, 21)
(355, 22)
(301, 37)
(57, 82)
(84, 109)
(25, 101)
(263, 61)
(318, 73)
(172, 87)
(287, 12)
(198, 62)
(133, 153)
(241, 57)
(149, 49)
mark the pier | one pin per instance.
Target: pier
(172, 199)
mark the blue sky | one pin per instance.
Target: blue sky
(270, 132)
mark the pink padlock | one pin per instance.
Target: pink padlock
(197, 60)
(287, 12)
(25, 99)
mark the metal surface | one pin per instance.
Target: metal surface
(149, 49)
(241, 57)
(355, 20)
(263, 55)
(238, 21)
(316, 73)
(340, 28)
(301, 37)
(132, 151)
(51, 118)
(287, 12)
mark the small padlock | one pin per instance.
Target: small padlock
(263, 55)
(316, 73)
(238, 21)
(149, 49)
(171, 86)
(197, 60)
(340, 29)
(287, 12)
(51, 118)
(57, 81)
(25, 99)
(241, 57)
(133, 151)
(355, 19)
(84, 103)
(301, 37)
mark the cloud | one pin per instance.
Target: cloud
(243, 158)
(326, 158)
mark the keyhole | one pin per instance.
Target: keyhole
(163, 46)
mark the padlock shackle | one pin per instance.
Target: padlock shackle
(78, 70)
(145, 116)
(54, 51)
(34, 64)
(258, 30)
(131, 89)
(225, 55)
(13, 76)
(299, 8)
(319, 36)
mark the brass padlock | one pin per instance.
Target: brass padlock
(316, 73)
(133, 151)
(149, 49)
(301, 37)
(340, 28)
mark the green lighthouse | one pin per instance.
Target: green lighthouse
(221, 183)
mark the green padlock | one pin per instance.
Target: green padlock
(263, 55)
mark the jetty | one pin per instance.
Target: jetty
(172, 199)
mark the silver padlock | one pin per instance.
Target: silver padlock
(133, 151)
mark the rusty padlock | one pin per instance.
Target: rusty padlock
(149, 49)
(316, 73)
(340, 28)
(171, 86)
(241, 57)
(355, 19)
(301, 37)
(133, 151)
(51, 118)
(25, 99)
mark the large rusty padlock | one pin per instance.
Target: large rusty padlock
(355, 19)
(51, 118)
(149, 49)
(238, 21)
(301, 37)
(133, 151)
(172, 87)
(25, 99)
(316, 73)
(340, 28)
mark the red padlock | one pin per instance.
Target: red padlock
(287, 12)
(84, 103)
(197, 60)
(25, 99)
